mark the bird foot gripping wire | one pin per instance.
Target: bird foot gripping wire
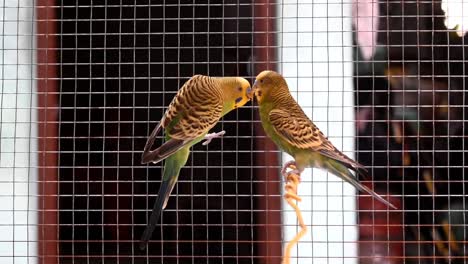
(209, 137)
(293, 178)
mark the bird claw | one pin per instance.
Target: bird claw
(294, 172)
(209, 137)
(291, 165)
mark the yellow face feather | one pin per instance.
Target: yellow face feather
(236, 91)
(268, 82)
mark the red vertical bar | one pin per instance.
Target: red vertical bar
(269, 203)
(47, 128)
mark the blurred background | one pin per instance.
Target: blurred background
(83, 84)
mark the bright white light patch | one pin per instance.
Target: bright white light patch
(315, 53)
(456, 15)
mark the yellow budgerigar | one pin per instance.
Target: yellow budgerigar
(292, 131)
(195, 109)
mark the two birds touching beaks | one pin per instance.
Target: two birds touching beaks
(203, 100)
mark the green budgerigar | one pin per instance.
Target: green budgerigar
(292, 131)
(195, 109)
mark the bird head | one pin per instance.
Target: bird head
(240, 91)
(265, 83)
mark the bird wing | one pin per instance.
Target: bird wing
(192, 113)
(298, 130)
(195, 109)
(165, 150)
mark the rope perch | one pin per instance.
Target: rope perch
(293, 179)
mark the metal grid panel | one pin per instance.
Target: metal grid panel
(122, 64)
(316, 60)
(411, 97)
(84, 83)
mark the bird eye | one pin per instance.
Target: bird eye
(239, 88)
(261, 81)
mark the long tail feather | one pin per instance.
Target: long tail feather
(172, 168)
(163, 196)
(343, 172)
(346, 161)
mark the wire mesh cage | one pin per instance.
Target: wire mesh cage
(84, 83)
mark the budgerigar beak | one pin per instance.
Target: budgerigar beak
(255, 85)
(254, 89)
(250, 92)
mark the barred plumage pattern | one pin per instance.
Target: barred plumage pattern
(290, 121)
(195, 109)
(297, 130)
(290, 128)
